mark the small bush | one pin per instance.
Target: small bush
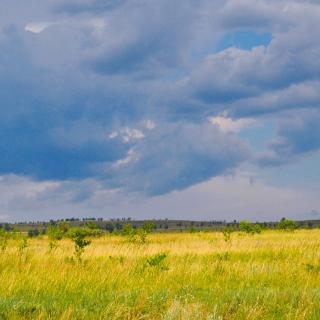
(148, 227)
(78, 236)
(64, 226)
(158, 261)
(54, 234)
(313, 267)
(287, 225)
(92, 225)
(227, 234)
(22, 246)
(137, 235)
(4, 236)
(32, 233)
(248, 227)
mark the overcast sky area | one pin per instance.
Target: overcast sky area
(193, 109)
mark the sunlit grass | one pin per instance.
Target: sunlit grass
(263, 276)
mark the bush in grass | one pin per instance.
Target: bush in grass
(128, 230)
(22, 245)
(54, 234)
(313, 267)
(138, 234)
(148, 227)
(157, 261)
(33, 233)
(92, 225)
(248, 227)
(64, 226)
(109, 227)
(4, 236)
(227, 234)
(287, 225)
(78, 236)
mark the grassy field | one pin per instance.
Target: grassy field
(273, 275)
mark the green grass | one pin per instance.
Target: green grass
(172, 276)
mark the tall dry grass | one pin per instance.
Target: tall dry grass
(274, 275)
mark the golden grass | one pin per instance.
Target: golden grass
(274, 275)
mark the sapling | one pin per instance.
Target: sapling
(78, 236)
(145, 230)
(141, 235)
(129, 232)
(148, 227)
(22, 246)
(54, 234)
(3, 240)
(227, 234)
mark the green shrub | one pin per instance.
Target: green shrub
(287, 225)
(227, 234)
(64, 226)
(78, 236)
(33, 233)
(158, 261)
(92, 225)
(248, 227)
(139, 234)
(22, 246)
(148, 227)
(4, 236)
(313, 267)
(54, 234)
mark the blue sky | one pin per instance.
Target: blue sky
(195, 109)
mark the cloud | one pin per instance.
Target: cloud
(170, 158)
(36, 27)
(81, 6)
(228, 125)
(298, 134)
(238, 196)
(120, 91)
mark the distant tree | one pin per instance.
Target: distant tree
(64, 226)
(287, 224)
(33, 233)
(7, 227)
(92, 225)
(127, 229)
(148, 227)
(248, 227)
(118, 226)
(109, 227)
(245, 226)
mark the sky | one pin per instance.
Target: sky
(195, 109)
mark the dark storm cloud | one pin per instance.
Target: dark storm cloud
(72, 73)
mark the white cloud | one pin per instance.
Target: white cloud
(228, 125)
(131, 156)
(127, 134)
(36, 27)
(240, 196)
(150, 125)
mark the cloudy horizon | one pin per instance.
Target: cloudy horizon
(203, 110)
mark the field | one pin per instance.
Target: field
(272, 275)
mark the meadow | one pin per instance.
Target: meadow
(203, 275)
